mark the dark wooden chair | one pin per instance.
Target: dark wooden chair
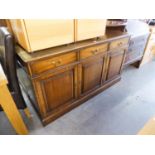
(9, 64)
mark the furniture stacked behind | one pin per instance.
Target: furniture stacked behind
(34, 35)
(150, 47)
(136, 49)
(139, 32)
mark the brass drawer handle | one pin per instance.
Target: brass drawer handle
(94, 52)
(120, 44)
(53, 62)
(56, 63)
(59, 62)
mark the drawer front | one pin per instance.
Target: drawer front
(93, 51)
(119, 43)
(50, 63)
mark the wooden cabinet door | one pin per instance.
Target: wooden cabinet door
(115, 62)
(56, 90)
(91, 71)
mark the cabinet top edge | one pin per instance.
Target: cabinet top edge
(29, 57)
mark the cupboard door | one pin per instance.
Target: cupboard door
(115, 62)
(57, 89)
(91, 74)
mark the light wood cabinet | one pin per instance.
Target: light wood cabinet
(35, 35)
(89, 28)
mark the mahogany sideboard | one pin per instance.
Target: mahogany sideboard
(58, 79)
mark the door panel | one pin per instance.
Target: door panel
(115, 64)
(92, 74)
(57, 89)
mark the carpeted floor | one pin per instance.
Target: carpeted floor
(122, 109)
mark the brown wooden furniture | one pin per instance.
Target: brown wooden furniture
(9, 107)
(139, 32)
(8, 61)
(3, 22)
(116, 24)
(64, 77)
(136, 49)
(150, 47)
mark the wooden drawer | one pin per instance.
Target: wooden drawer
(119, 43)
(93, 51)
(50, 63)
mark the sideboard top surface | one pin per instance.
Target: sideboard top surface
(27, 57)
